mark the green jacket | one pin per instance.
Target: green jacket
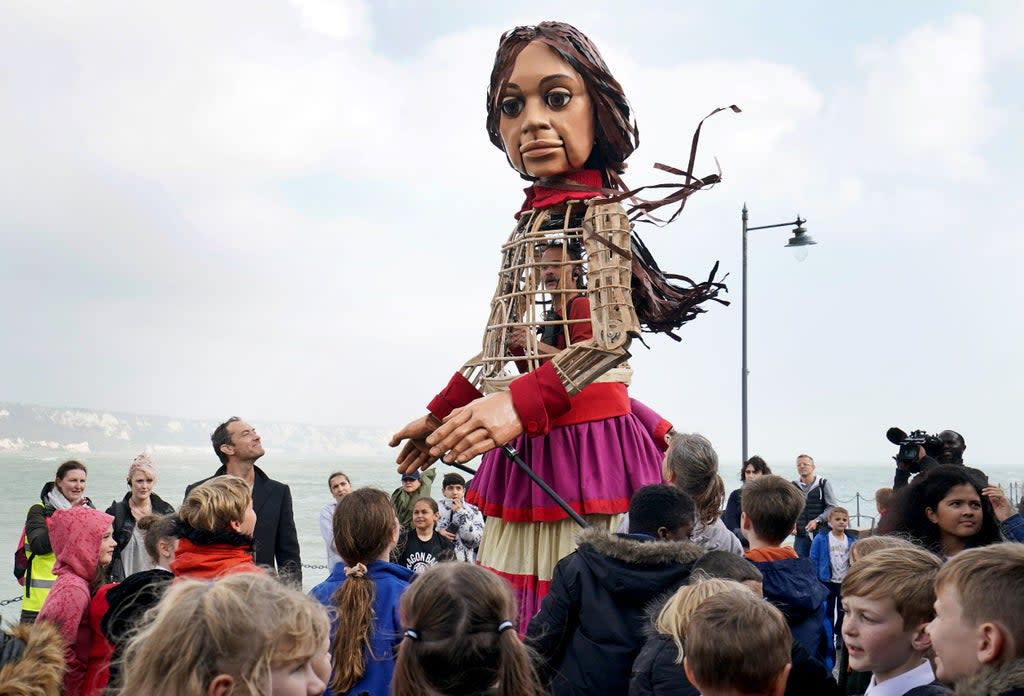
(404, 502)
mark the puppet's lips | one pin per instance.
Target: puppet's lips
(540, 148)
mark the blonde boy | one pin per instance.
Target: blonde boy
(737, 645)
(888, 602)
(978, 631)
(830, 554)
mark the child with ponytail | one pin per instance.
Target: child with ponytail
(460, 638)
(363, 593)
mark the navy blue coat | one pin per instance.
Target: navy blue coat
(792, 585)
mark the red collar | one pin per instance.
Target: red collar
(211, 561)
(539, 196)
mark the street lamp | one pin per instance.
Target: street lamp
(798, 243)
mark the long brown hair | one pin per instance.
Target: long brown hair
(615, 132)
(364, 528)
(460, 637)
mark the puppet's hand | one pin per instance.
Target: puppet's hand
(480, 426)
(415, 453)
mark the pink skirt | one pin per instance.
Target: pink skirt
(595, 466)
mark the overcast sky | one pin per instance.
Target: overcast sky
(290, 210)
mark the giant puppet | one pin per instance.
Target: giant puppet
(574, 287)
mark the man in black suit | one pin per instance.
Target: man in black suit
(238, 446)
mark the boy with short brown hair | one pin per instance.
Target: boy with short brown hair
(888, 602)
(770, 507)
(978, 630)
(723, 638)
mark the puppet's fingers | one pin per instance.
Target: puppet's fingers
(414, 456)
(475, 442)
(455, 427)
(482, 446)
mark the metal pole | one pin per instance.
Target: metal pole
(743, 376)
(511, 453)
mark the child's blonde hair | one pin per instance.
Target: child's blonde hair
(868, 546)
(213, 505)
(365, 527)
(989, 582)
(737, 642)
(773, 506)
(242, 625)
(461, 638)
(838, 511)
(674, 618)
(905, 575)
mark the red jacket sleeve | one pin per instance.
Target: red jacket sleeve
(458, 392)
(539, 398)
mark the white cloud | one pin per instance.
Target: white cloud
(926, 101)
(336, 19)
(273, 208)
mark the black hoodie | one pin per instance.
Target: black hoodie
(590, 626)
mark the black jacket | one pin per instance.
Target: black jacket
(276, 541)
(124, 526)
(590, 626)
(656, 673)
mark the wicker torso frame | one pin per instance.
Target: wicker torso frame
(520, 299)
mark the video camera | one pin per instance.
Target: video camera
(906, 458)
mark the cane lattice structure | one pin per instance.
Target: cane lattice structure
(593, 236)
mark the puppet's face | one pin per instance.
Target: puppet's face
(547, 120)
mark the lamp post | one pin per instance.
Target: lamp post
(799, 243)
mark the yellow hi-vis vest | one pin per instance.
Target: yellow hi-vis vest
(38, 580)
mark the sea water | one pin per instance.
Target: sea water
(23, 476)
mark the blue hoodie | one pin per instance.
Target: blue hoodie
(820, 555)
(389, 581)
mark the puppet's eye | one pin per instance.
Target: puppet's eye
(511, 106)
(558, 98)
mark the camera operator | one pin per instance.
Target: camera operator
(948, 449)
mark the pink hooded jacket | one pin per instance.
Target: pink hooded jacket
(75, 534)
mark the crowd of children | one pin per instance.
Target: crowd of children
(646, 612)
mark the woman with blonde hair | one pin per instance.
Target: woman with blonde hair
(130, 556)
(244, 635)
(215, 527)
